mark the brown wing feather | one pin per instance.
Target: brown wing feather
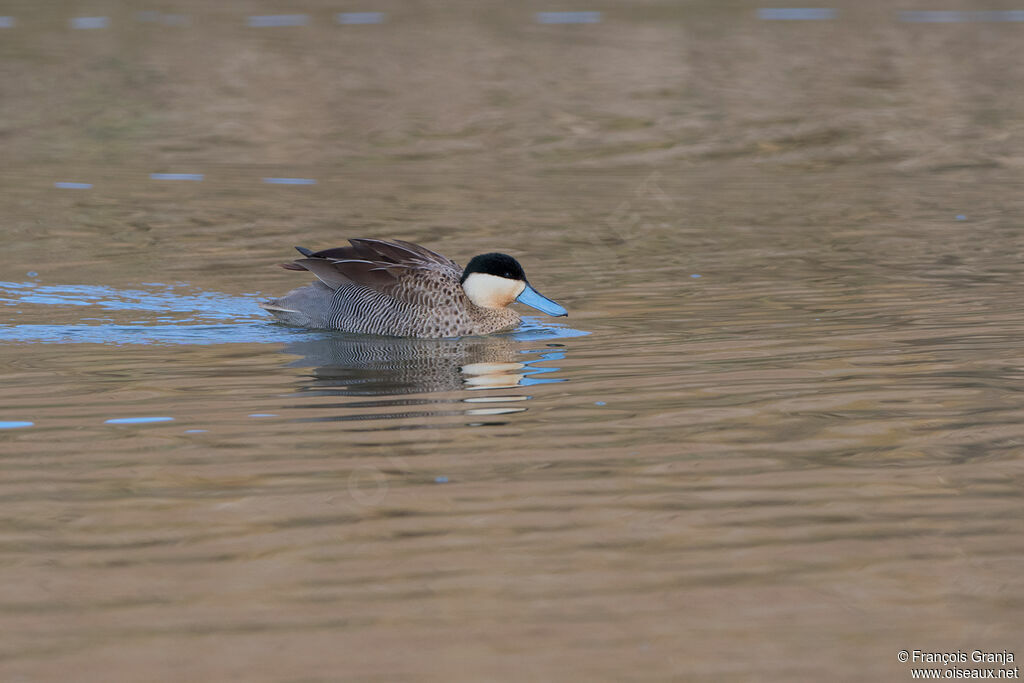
(336, 252)
(374, 264)
(384, 251)
(337, 274)
(429, 255)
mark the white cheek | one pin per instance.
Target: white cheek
(491, 291)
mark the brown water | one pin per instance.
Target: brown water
(779, 437)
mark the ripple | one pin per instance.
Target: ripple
(186, 317)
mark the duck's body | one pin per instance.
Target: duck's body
(402, 289)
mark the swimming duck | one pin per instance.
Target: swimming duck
(401, 289)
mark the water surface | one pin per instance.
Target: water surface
(778, 438)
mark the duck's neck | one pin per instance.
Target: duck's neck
(488, 320)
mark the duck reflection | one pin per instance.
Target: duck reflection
(345, 365)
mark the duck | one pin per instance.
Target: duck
(400, 289)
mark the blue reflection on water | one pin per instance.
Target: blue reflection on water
(6, 22)
(137, 420)
(360, 17)
(529, 374)
(197, 177)
(15, 424)
(954, 16)
(568, 17)
(270, 20)
(204, 305)
(72, 186)
(90, 22)
(796, 13)
(184, 316)
(290, 181)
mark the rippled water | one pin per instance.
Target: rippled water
(778, 438)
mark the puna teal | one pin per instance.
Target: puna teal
(401, 289)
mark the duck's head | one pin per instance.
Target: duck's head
(496, 280)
